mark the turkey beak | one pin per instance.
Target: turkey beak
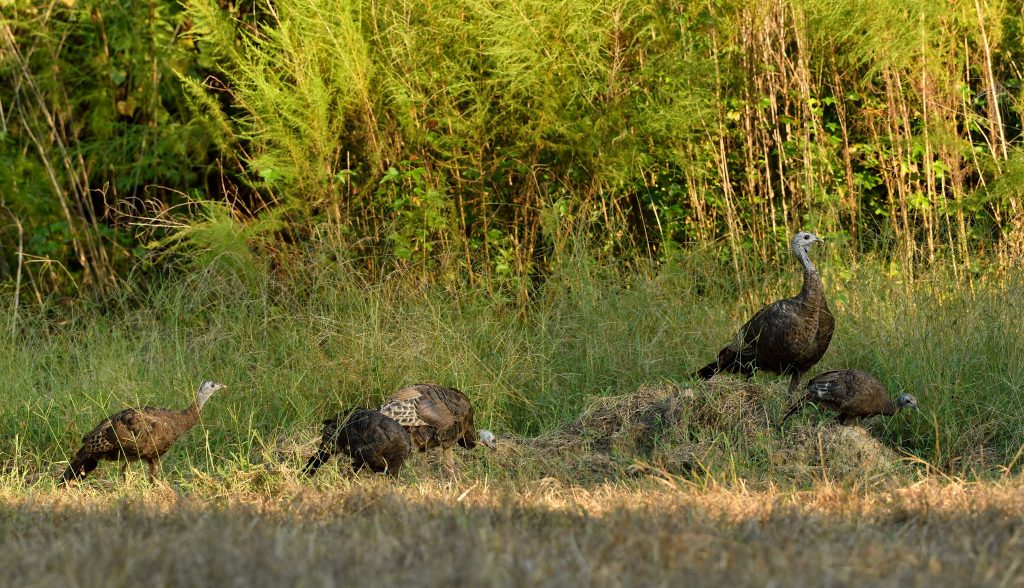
(819, 240)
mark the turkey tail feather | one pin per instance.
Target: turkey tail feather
(726, 361)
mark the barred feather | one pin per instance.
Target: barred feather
(135, 434)
(851, 394)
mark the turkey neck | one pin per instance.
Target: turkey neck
(890, 408)
(813, 290)
(186, 419)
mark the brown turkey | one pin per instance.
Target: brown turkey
(368, 437)
(136, 434)
(852, 394)
(436, 416)
(788, 336)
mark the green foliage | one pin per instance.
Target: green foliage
(483, 111)
(93, 118)
(467, 139)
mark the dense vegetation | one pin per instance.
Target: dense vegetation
(471, 140)
(293, 350)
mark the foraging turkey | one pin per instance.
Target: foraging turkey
(436, 416)
(788, 335)
(137, 434)
(368, 437)
(853, 394)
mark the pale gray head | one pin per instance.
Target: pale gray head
(487, 438)
(803, 240)
(906, 400)
(206, 390)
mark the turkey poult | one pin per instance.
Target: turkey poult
(436, 416)
(137, 434)
(852, 394)
(368, 437)
(788, 336)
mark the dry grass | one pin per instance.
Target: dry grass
(715, 432)
(623, 495)
(374, 531)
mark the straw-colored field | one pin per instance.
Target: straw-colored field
(375, 532)
(620, 496)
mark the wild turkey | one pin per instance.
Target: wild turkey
(852, 394)
(788, 335)
(136, 433)
(436, 416)
(368, 437)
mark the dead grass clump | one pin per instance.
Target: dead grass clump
(628, 424)
(713, 428)
(558, 455)
(837, 452)
(731, 405)
(668, 421)
(661, 426)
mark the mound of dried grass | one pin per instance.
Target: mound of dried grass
(703, 430)
(834, 452)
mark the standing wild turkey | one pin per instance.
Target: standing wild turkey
(852, 394)
(136, 433)
(788, 335)
(368, 437)
(436, 416)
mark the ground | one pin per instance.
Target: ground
(671, 485)
(373, 531)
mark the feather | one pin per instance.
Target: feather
(369, 437)
(788, 336)
(851, 394)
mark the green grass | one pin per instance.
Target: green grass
(295, 349)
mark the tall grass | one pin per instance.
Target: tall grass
(295, 348)
(463, 136)
(659, 123)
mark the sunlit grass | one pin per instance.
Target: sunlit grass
(293, 352)
(372, 530)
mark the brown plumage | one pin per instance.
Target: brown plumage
(852, 394)
(368, 437)
(436, 416)
(136, 434)
(788, 336)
